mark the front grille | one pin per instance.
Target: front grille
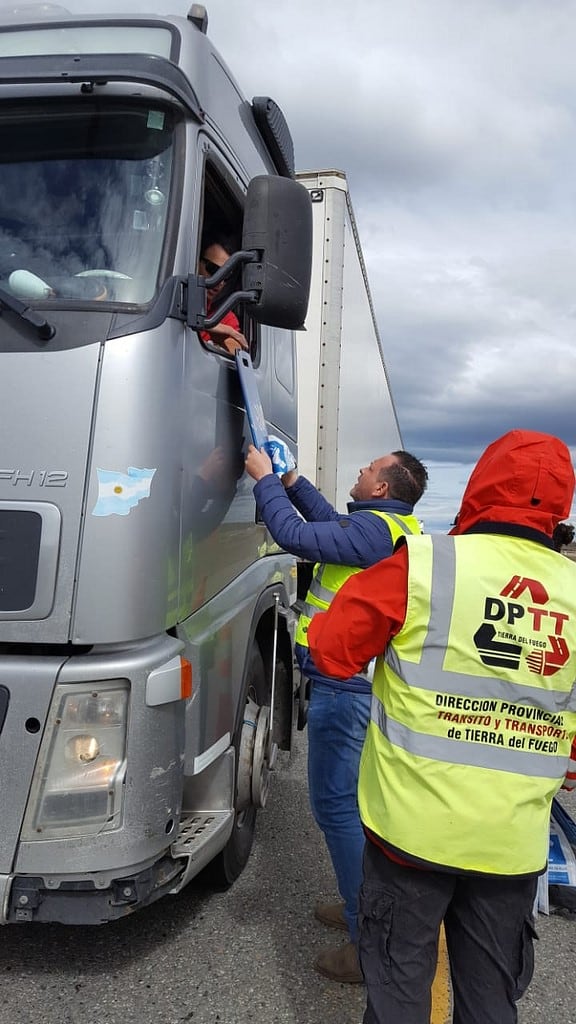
(20, 533)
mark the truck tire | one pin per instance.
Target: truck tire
(231, 861)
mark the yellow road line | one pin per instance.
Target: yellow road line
(441, 996)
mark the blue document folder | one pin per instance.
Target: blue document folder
(252, 401)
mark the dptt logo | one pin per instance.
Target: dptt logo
(518, 584)
(502, 647)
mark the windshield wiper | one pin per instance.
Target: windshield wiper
(45, 330)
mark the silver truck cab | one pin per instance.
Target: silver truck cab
(146, 669)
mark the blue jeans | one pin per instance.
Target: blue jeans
(337, 723)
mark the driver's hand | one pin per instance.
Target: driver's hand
(228, 338)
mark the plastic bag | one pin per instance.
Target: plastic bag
(557, 886)
(562, 866)
(280, 455)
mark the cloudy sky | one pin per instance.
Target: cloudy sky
(455, 121)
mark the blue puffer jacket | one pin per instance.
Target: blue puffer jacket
(358, 539)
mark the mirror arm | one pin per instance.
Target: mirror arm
(232, 300)
(236, 259)
(196, 286)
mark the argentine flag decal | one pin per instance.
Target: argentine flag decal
(119, 492)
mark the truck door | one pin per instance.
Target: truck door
(219, 535)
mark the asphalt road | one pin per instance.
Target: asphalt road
(235, 957)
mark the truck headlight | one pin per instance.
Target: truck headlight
(78, 783)
(82, 748)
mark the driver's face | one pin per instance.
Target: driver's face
(213, 256)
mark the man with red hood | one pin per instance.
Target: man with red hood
(472, 719)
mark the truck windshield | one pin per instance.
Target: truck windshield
(84, 195)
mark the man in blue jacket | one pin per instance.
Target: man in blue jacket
(302, 522)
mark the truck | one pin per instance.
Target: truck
(147, 674)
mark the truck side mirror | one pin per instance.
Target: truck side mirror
(278, 226)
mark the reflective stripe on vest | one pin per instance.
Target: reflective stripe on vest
(473, 708)
(328, 578)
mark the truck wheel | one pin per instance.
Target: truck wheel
(251, 775)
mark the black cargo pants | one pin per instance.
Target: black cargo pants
(489, 933)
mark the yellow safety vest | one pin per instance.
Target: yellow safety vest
(474, 705)
(327, 579)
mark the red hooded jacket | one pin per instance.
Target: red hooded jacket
(524, 478)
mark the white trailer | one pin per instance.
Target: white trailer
(346, 414)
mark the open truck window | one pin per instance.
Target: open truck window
(84, 197)
(221, 222)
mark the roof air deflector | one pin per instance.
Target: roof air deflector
(99, 69)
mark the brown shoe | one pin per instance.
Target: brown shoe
(340, 963)
(332, 915)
